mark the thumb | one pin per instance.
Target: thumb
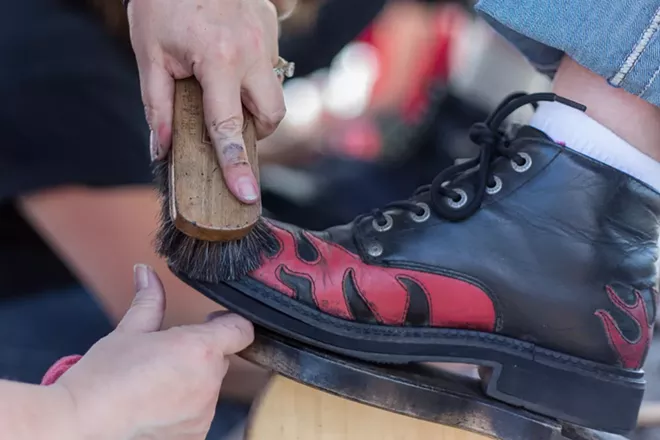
(148, 308)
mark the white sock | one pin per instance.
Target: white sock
(579, 132)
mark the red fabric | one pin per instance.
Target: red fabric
(360, 139)
(431, 66)
(59, 368)
(436, 64)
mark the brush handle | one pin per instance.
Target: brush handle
(201, 204)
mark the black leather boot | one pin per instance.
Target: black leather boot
(530, 259)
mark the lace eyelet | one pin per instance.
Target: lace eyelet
(492, 190)
(383, 228)
(525, 166)
(422, 217)
(375, 250)
(460, 202)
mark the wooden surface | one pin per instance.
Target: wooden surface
(291, 411)
(202, 206)
(649, 414)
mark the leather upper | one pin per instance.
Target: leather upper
(561, 253)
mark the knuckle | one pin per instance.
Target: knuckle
(270, 121)
(228, 51)
(254, 37)
(178, 337)
(148, 297)
(196, 60)
(268, 127)
(197, 347)
(225, 128)
(242, 332)
(144, 302)
(233, 155)
(274, 118)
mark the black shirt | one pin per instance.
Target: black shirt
(70, 113)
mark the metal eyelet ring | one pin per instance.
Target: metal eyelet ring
(457, 204)
(423, 216)
(495, 188)
(375, 250)
(525, 166)
(386, 227)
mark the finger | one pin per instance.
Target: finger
(227, 332)
(223, 111)
(148, 308)
(264, 98)
(158, 97)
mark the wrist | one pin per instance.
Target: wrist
(60, 408)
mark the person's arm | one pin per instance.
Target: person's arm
(100, 233)
(30, 412)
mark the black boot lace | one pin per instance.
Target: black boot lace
(494, 144)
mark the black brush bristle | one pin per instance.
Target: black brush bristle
(207, 261)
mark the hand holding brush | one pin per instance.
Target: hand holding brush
(230, 47)
(210, 92)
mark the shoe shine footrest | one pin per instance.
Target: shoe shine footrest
(423, 392)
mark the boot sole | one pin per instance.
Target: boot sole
(550, 383)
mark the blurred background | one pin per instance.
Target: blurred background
(384, 94)
(383, 98)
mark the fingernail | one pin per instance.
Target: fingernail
(246, 189)
(217, 314)
(141, 276)
(154, 145)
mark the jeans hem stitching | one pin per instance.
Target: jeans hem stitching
(637, 50)
(650, 83)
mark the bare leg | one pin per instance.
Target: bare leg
(630, 117)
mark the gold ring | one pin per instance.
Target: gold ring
(284, 68)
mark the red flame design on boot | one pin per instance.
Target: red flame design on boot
(453, 303)
(631, 353)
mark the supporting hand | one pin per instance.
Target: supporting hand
(139, 382)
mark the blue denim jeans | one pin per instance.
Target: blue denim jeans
(617, 39)
(38, 330)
